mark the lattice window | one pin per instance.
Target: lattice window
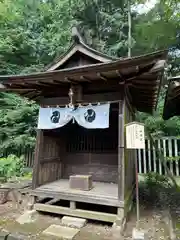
(94, 140)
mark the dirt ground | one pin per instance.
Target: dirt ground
(150, 221)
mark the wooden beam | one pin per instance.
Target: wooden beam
(143, 87)
(138, 82)
(27, 94)
(101, 216)
(51, 84)
(106, 201)
(144, 97)
(40, 84)
(158, 66)
(52, 201)
(121, 146)
(38, 152)
(70, 80)
(57, 82)
(92, 98)
(17, 90)
(101, 76)
(37, 96)
(140, 71)
(129, 103)
(85, 79)
(122, 80)
(16, 87)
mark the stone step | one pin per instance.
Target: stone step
(73, 222)
(61, 232)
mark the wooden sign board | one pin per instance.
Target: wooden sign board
(135, 136)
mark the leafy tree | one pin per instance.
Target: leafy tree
(18, 119)
(104, 25)
(31, 33)
(156, 125)
(159, 29)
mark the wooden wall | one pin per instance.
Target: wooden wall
(102, 167)
(50, 165)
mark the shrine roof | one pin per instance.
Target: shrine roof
(172, 100)
(141, 76)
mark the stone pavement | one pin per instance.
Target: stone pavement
(61, 232)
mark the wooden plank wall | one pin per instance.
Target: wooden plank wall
(50, 168)
(93, 151)
(130, 154)
(102, 167)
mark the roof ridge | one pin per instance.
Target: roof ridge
(78, 41)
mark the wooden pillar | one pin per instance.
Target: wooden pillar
(72, 205)
(121, 151)
(38, 152)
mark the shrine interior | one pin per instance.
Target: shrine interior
(85, 151)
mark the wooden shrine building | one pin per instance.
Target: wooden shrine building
(172, 101)
(85, 77)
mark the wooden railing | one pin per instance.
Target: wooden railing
(149, 162)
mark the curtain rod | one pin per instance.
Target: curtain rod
(81, 104)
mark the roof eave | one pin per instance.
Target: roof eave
(174, 83)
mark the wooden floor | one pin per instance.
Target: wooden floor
(101, 193)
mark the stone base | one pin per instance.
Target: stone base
(27, 217)
(16, 236)
(73, 222)
(61, 232)
(138, 234)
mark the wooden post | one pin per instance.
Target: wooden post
(72, 205)
(38, 152)
(121, 151)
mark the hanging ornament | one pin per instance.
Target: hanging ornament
(71, 94)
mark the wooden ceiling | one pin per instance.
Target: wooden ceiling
(172, 100)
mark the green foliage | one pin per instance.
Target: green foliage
(156, 125)
(172, 158)
(31, 33)
(155, 180)
(104, 25)
(10, 167)
(28, 175)
(154, 189)
(18, 119)
(159, 29)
